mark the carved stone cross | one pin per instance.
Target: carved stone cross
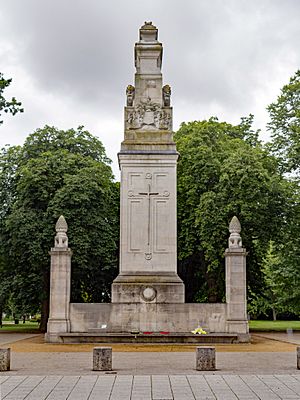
(149, 194)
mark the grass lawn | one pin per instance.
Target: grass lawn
(27, 327)
(254, 325)
(273, 325)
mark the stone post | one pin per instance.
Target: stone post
(4, 360)
(102, 359)
(60, 281)
(205, 358)
(235, 264)
(298, 357)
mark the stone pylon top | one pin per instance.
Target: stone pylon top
(235, 226)
(235, 240)
(148, 111)
(61, 224)
(61, 238)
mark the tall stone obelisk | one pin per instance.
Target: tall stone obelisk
(148, 158)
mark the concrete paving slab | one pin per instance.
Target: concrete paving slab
(164, 387)
(12, 337)
(287, 337)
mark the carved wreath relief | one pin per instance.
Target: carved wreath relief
(148, 293)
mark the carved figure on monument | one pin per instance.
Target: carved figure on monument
(130, 92)
(166, 93)
(165, 120)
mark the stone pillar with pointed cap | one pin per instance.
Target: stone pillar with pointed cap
(147, 160)
(60, 282)
(236, 296)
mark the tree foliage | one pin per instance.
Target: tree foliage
(285, 272)
(284, 125)
(8, 106)
(223, 171)
(266, 301)
(58, 172)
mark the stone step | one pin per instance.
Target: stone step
(155, 337)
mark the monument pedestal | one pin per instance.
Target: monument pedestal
(160, 288)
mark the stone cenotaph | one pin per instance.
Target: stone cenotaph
(148, 158)
(147, 295)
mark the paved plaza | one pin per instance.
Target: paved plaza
(152, 363)
(41, 371)
(151, 387)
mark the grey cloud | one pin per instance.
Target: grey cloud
(247, 42)
(214, 52)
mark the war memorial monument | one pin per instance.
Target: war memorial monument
(147, 295)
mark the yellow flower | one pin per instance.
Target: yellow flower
(199, 330)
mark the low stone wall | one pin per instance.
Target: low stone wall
(114, 317)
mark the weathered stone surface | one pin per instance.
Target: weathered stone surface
(235, 239)
(235, 271)
(61, 238)
(205, 358)
(60, 281)
(154, 317)
(161, 288)
(102, 359)
(5, 359)
(298, 357)
(148, 214)
(148, 115)
(148, 159)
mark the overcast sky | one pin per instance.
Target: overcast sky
(71, 60)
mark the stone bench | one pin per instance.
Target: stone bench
(205, 358)
(5, 359)
(102, 359)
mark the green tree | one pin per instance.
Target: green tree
(223, 171)
(284, 125)
(58, 172)
(12, 106)
(268, 300)
(286, 270)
